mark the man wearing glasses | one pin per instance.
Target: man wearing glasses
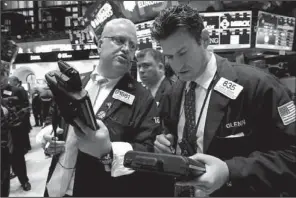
(127, 118)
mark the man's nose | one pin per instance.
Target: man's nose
(141, 69)
(125, 47)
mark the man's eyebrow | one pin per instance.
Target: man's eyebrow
(178, 51)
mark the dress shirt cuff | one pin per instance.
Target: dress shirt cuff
(119, 150)
(45, 131)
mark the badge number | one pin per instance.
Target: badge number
(228, 88)
(123, 96)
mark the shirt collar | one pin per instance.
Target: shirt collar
(206, 78)
(95, 75)
(154, 88)
(158, 83)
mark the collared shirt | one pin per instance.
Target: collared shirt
(104, 89)
(203, 83)
(154, 88)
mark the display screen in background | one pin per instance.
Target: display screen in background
(144, 36)
(275, 31)
(228, 30)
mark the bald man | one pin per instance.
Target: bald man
(125, 124)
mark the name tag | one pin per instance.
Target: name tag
(123, 96)
(6, 92)
(228, 88)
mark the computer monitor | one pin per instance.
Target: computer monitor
(228, 30)
(144, 36)
(275, 32)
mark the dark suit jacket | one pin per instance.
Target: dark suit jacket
(263, 161)
(19, 101)
(126, 123)
(165, 85)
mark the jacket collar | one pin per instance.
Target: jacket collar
(218, 102)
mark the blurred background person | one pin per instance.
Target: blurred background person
(36, 107)
(26, 125)
(46, 101)
(15, 100)
(150, 63)
(6, 142)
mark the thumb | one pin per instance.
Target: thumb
(170, 137)
(101, 124)
(49, 138)
(60, 131)
(206, 159)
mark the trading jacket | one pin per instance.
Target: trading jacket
(262, 161)
(137, 124)
(17, 99)
(165, 85)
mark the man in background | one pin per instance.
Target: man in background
(46, 98)
(6, 141)
(150, 63)
(26, 125)
(17, 100)
(36, 107)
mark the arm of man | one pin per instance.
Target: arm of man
(274, 166)
(145, 127)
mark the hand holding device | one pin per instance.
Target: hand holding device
(72, 100)
(166, 164)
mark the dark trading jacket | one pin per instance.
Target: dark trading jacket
(136, 124)
(165, 85)
(263, 161)
(19, 102)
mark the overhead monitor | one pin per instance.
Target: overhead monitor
(275, 32)
(144, 36)
(229, 29)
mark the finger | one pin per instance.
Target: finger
(163, 140)
(49, 138)
(200, 193)
(206, 159)
(170, 137)
(101, 124)
(60, 131)
(157, 150)
(162, 148)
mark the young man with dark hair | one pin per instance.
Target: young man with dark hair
(237, 120)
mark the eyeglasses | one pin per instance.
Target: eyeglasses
(120, 40)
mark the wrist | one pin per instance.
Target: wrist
(107, 158)
(228, 182)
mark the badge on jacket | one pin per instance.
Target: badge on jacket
(123, 96)
(287, 113)
(228, 88)
(6, 92)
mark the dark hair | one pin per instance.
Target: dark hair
(157, 55)
(172, 18)
(15, 79)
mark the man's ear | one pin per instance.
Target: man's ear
(205, 38)
(99, 45)
(161, 66)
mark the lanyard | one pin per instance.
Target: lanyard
(205, 100)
